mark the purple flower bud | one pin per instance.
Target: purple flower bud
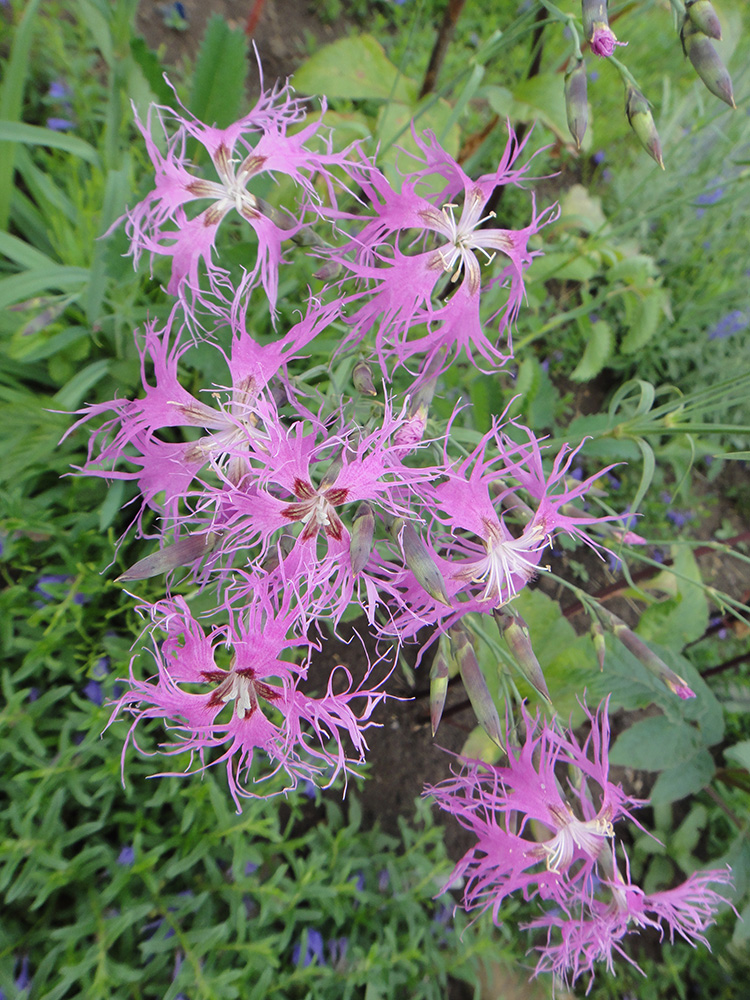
(126, 857)
(576, 103)
(313, 949)
(60, 124)
(94, 693)
(59, 91)
(730, 324)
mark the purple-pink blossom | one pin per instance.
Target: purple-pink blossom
(603, 40)
(181, 216)
(536, 831)
(228, 692)
(421, 260)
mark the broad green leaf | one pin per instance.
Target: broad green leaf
(739, 754)
(581, 208)
(541, 98)
(683, 617)
(394, 135)
(596, 354)
(355, 68)
(644, 319)
(685, 778)
(655, 743)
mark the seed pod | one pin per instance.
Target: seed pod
(362, 534)
(515, 631)
(642, 123)
(704, 17)
(707, 62)
(576, 103)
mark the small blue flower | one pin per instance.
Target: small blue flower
(94, 692)
(730, 324)
(60, 124)
(313, 949)
(126, 857)
(59, 91)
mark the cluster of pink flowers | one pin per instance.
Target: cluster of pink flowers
(287, 504)
(545, 827)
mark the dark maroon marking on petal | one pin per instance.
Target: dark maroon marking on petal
(336, 495)
(303, 489)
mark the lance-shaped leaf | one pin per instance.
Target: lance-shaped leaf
(361, 536)
(184, 551)
(647, 657)
(515, 631)
(474, 682)
(418, 559)
(439, 676)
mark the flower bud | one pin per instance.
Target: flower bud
(515, 631)
(576, 103)
(419, 561)
(596, 28)
(362, 379)
(706, 62)
(439, 676)
(183, 552)
(474, 682)
(641, 652)
(642, 123)
(361, 536)
(704, 17)
(597, 637)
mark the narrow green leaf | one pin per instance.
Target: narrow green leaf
(220, 72)
(11, 102)
(19, 287)
(35, 135)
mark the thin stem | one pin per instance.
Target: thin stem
(443, 40)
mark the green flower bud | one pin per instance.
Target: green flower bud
(593, 12)
(576, 104)
(707, 62)
(361, 536)
(515, 631)
(704, 17)
(183, 552)
(362, 379)
(439, 676)
(474, 682)
(419, 560)
(678, 685)
(642, 123)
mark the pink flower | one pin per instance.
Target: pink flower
(402, 284)
(557, 857)
(164, 223)
(576, 942)
(603, 40)
(232, 691)
(233, 424)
